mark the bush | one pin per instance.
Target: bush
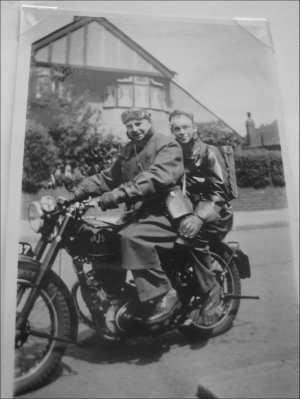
(259, 168)
(276, 167)
(40, 157)
(97, 153)
(74, 130)
(217, 133)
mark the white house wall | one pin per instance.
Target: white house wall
(93, 46)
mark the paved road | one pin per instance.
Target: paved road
(169, 366)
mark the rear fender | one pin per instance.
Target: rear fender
(240, 258)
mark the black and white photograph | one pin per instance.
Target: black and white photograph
(154, 253)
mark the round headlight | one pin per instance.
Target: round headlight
(35, 216)
(48, 203)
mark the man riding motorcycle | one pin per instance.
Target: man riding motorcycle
(207, 189)
(146, 169)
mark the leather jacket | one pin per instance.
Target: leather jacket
(206, 180)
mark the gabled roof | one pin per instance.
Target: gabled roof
(80, 22)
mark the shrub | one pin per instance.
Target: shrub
(74, 129)
(276, 167)
(259, 168)
(97, 153)
(40, 157)
(217, 133)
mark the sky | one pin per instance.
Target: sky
(229, 67)
(221, 64)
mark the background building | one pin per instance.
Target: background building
(92, 54)
(266, 136)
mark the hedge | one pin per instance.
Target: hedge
(259, 168)
(49, 154)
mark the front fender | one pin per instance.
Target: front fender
(26, 261)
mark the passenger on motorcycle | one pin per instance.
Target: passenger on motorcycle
(207, 189)
(147, 168)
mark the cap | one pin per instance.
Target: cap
(131, 114)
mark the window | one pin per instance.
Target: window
(110, 96)
(125, 98)
(48, 81)
(136, 91)
(42, 82)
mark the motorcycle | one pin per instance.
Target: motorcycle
(48, 312)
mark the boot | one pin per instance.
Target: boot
(212, 298)
(163, 308)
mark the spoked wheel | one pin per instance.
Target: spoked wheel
(220, 319)
(37, 354)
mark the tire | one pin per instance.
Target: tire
(83, 313)
(37, 358)
(223, 316)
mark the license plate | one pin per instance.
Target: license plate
(25, 249)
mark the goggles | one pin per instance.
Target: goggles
(138, 114)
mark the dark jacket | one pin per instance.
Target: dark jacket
(207, 186)
(145, 171)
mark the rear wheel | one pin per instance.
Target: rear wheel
(220, 319)
(37, 354)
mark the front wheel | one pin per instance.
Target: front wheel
(221, 318)
(37, 354)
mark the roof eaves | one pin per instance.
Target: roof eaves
(44, 41)
(136, 47)
(81, 21)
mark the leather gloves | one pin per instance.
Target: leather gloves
(108, 200)
(111, 199)
(76, 194)
(62, 201)
(190, 226)
(65, 202)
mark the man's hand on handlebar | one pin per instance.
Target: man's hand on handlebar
(63, 202)
(111, 199)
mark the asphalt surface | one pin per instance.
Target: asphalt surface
(258, 358)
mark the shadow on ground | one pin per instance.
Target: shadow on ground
(139, 351)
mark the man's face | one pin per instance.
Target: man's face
(137, 129)
(183, 128)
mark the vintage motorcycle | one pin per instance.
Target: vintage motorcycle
(48, 313)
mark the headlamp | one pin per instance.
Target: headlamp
(36, 216)
(48, 203)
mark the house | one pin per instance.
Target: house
(265, 136)
(93, 54)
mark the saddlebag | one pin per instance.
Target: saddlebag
(177, 204)
(243, 264)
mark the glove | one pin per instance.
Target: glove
(77, 194)
(65, 202)
(190, 226)
(111, 199)
(62, 202)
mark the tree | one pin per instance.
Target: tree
(83, 147)
(40, 157)
(217, 133)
